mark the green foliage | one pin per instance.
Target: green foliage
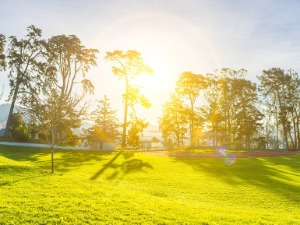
(92, 187)
(26, 67)
(137, 126)
(70, 138)
(128, 64)
(173, 122)
(106, 124)
(280, 90)
(2, 55)
(189, 86)
(232, 113)
(21, 133)
(59, 106)
(18, 128)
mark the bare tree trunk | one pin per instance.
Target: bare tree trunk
(267, 136)
(285, 135)
(192, 127)
(277, 130)
(125, 114)
(297, 140)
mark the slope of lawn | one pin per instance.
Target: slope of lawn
(134, 188)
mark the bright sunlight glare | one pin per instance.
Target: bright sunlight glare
(153, 85)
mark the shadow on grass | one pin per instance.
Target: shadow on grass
(123, 168)
(20, 153)
(274, 174)
(15, 174)
(69, 160)
(64, 160)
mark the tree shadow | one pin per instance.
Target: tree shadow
(18, 174)
(124, 168)
(260, 172)
(22, 153)
(70, 160)
(64, 160)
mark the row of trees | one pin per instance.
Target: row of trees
(227, 109)
(47, 78)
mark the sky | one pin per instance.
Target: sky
(173, 36)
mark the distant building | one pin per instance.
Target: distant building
(150, 142)
(99, 144)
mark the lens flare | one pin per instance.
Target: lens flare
(229, 159)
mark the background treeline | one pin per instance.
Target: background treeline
(226, 109)
(47, 78)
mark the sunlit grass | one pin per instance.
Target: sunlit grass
(123, 188)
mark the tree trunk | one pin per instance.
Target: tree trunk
(297, 140)
(285, 137)
(12, 106)
(192, 126)
(125, 114)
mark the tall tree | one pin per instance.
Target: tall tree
(212, 113)
(26, 68)
(274, 85)
(189, 86)
(248, 116)
(228, 102)
(136, 125)
(280, 90)
(127, 66)
(60, 107)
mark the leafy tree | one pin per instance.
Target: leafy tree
(137, 125)
(2, 55)
(60, 107)
(106, 125)
(17, 120)
(18, 128)
(26, 67)
(293, 104)
(273, 84)
(174, 121)
(189, 86)
(280, 90)
(232, 114)
(228, 101)
(211, 111)
(248, 116)
(127, 66)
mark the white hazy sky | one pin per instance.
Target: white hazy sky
(173, 36)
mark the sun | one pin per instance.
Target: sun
(152, 85)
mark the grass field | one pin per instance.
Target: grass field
(135, 188)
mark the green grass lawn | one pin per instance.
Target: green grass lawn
(134, 188)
